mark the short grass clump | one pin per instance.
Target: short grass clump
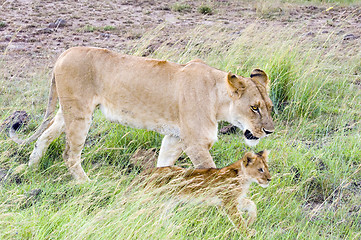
(181, 7)
(205, 9)
(315, 151)
(91, 28)
(88, 28)
(109, 28)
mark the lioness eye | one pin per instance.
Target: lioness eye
(261, 170)
(254, 108)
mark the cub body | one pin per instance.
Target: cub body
(226, 187)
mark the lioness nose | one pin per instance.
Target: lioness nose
(267, 131)
(268, 179)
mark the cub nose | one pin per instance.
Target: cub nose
(268, 179)
(267, 131)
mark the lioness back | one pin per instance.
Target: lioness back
(131, 90)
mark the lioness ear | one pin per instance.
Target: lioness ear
(235, 85)
(249, 158)
(260, 76)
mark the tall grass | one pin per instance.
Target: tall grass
(315, 151)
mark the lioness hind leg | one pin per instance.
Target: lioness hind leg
(169, 151)
(76, 130)
(43, 142)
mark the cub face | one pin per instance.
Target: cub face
(256, 167)
(251, 106)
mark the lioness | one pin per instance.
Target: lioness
(226, 187)
(183, 102)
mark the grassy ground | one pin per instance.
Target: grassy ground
(315, 155)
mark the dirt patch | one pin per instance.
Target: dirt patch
(41, 30)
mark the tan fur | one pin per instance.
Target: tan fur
(226, 187)
(183, 102)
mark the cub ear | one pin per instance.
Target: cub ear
(264, 154)
(260, 76)
(235, 86)
(249, 159)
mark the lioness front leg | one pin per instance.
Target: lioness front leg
(169, 151)
(199, 155)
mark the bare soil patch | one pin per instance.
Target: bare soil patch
(34, 33)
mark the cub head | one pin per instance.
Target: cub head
(250, 108)
(256, 167)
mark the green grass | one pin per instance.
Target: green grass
(205, 9)
(90, 28)
(181, 7)
(315, 154)
(109, 28)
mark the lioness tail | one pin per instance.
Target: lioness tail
(53, 97)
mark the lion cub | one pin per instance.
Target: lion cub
(226, 187)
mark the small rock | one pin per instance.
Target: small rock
(340, 32)
(350, 36)
(164, 8)
(31, 26)
(310, 34)
(8, 37)
(59, 23)
(230, 129)
(104, 35)
(34, 193)
(16, 120)
(45, 31)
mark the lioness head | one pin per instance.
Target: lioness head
(251, 107)
(256, 167)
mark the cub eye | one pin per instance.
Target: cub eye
(260, 170)
(254, 108)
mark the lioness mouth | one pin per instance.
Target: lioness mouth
(249, 135)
